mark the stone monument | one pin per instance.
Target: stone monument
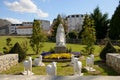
(60, 40)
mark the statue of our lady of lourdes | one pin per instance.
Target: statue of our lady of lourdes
(60, 36)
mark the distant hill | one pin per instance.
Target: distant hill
(4, 22)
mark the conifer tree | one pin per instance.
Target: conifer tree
(88, 35)
(38, 37)
(114, 32)
(56, 22)
(101, 22)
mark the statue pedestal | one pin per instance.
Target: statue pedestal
(60, 49)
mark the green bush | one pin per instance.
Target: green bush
(107, 49)
(17, 49)
(8, 46)
(73, 35)
(69, 50)
(52, 50)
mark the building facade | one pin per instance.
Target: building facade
(24, 30)
(13, 27)
(75, 22)
(4, 26)
(26, 27)
(45, 24)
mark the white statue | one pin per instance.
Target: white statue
(28, 67)
(90, 63)
(77, 67)
(51, 69)
(72, 60)
(92, 57)
(38, 61)
(60, 36)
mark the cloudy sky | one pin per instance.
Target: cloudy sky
(27, 10)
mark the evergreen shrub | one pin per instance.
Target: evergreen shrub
(17, 49)
(107, 49)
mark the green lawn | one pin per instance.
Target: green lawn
(47, 45)
(62, 67)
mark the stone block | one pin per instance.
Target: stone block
(60, 49)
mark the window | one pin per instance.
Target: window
(77, 15)
(81, 15)
(73, 15)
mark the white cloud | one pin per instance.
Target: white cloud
(14, 21)
(41, 14)
(25, 6)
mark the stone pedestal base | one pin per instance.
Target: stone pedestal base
(60, 49)
(78, 74)
(90, 69)
(27, 73)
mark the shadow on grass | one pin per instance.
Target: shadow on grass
(107, 69)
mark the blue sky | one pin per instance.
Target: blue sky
(27, 10)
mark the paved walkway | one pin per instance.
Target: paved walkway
(40, 77)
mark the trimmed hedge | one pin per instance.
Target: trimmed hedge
(107, 49)
(17, 49)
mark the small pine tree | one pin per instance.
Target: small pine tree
(88, 35)
(107, 49)
(38, 37)
(17, 49)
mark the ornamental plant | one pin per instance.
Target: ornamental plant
(58, 56)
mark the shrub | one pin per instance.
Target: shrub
(58, 55)
(8, 46)
(17, 49)
(52, 50)
(73, 35)
(69, 50)
(107, 49)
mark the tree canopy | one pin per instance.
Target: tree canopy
(101, 23)
(114, 32)
(88, 34)
(56, 23)
(38, 37)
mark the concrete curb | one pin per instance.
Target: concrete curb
(43, 77)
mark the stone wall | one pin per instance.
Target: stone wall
(6, 61)
(113, 60)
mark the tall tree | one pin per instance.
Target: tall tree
(114, 32)
(38, 37)
(88, 35)
(101, 23)
(56, 23)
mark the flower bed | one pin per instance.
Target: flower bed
(58, 56)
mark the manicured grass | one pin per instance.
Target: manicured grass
(62, 67)
(47, 45)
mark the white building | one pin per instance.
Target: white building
(27, 23)
(26, 27)
(12, 28)
(24, 30)
(45, 24)
(75, 22)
